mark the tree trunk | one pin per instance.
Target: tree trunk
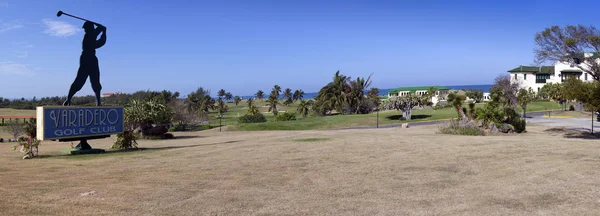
(407, 114)
(461, 113)
(524, 110)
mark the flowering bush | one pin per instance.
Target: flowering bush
(29, 146)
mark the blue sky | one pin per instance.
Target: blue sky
(243, 46)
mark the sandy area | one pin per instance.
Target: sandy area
(390, 171)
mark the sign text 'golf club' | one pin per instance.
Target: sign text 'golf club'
(70, 122)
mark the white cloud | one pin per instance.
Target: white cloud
(21, 54)
(10, 68)
(59, 28)
(7, 26)
(21, 49)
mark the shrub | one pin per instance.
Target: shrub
(256, 118)
(29, 146)
(441, 105)
(571, 108)
(160, 137)
(286, 117)
(169, 136)
(519, 125)
(1, 140)
(126, 140)
(172, 129)
(457, 128)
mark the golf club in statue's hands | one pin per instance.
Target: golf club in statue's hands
(60, 13)
(88, 62)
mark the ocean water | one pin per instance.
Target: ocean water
(382, 92)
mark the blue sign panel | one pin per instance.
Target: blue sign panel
(75, 122)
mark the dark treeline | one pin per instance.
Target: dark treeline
(121, 99)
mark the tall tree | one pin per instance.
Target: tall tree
(275, 91)
(373, 95)
(506, 90)
(272, 102)
(250, 102)
(356, 98)
(570, 44)
(554, 91)
(251, 108)
(333, 95)
(585, 92)
(260, 95)
(222, 106)
(298, 95)
(475, 94)
(287, 94)
(228, 96)
(457, 101)
(303, 108)
(403, 103)
(194, 100)
(525, 97)
(221, 93)
(237, 100)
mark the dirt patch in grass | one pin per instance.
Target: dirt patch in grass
(572, 133)
(311, 139)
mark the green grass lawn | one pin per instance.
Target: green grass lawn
(365, 120)
(328, 122)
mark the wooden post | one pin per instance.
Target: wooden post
(593, 121)
(377, 118)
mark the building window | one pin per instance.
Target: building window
(524, 76)
(585, 76)
(515, 76)
(538, 89)
(541, 78)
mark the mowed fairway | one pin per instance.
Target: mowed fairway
(344, 172)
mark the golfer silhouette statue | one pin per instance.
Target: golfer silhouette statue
(88, 62)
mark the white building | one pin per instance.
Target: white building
(440, 94)
(536, 77)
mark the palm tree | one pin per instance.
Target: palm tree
(228, 96)
(221, 106)
(457, 101)
(253, 110)
(192, 103)
(237, 100)
(221, 93)
(357, 93)
(272, 102)
(298, 95)
(276, 90)
(303, 108)
(260, 94)
(250, 102)
(288, 95)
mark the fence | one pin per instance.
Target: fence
(5, 119)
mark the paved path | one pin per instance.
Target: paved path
(582, 124)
